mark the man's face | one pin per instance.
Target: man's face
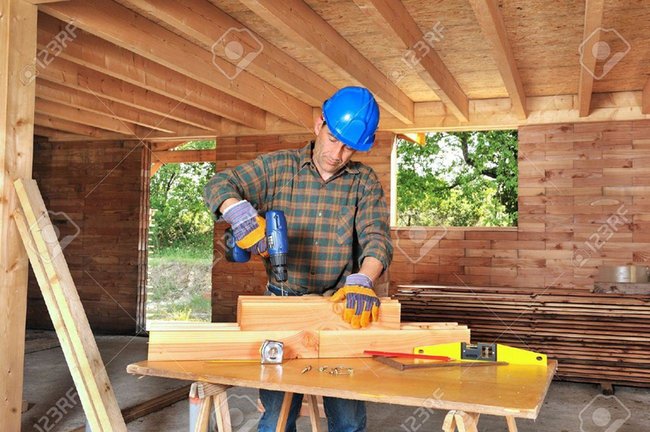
(329, 153)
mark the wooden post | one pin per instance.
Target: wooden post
(18, 49)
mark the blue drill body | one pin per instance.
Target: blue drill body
(276, 239)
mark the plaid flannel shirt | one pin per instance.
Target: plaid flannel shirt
(333, 225)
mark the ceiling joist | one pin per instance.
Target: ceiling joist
(120, 63)
(593, 22)
(491, 22)
(296, 20)
(215, 30)
(127, 29)
(394, 19)
(71, 75)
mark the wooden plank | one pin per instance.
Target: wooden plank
(122, 64)
(184, 156)
(65, 339)
(125, 28)
(299, 22)
(94, 103)
(71, 75)
(205, 23)
(310, 313)
(645, 99)
(394, 19)
(590, 37)
(17, 38)
(85, 362)
(88, 118)
(228, 345)
(350, 343)
(494, 29)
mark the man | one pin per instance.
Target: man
(337, 220)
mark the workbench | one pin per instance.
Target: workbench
(511, 391)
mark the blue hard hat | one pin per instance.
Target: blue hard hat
(352, 116)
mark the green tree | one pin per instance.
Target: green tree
(458, 179)
(180, 218)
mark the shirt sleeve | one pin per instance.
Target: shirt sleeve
(372, 223)
(247, 181)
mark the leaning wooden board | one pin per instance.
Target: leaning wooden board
(305, 313)
(66, 310)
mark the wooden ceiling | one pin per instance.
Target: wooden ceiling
(160, 70)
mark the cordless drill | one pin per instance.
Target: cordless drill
(276, 240)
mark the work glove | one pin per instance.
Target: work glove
(361, 302)
(248, 227)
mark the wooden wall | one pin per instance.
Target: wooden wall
(229, 280)
(93, 192)
(584, 201)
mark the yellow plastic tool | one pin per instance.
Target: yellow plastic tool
(486, 352)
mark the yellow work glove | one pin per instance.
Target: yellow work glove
(361, 305)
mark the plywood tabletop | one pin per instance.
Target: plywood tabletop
(512, 390)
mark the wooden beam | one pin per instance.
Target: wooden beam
(64, 112)
(154, 168)
(18, 42)
(125, 28)
(296, 20)
(203, 22)
(395, 20)
(49, 133)
(184, 156)
(245, 344)
(120, 63)
(65, 308)
(645, 100)
(591, 36)
(491, 22)
(494, 114)
(228, 344)
(312, 313)
(330, 343)
(74, 128)
(71, 75)
(94, 103)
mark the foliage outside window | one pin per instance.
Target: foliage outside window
(180, 219)
(458, 179)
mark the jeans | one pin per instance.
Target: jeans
(343, 415)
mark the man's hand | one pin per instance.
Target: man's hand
(361, 302)
(248, 227)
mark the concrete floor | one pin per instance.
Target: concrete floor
(48, 385)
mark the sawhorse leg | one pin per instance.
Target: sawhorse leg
(314, 416)
(468, 422)
(204, 396)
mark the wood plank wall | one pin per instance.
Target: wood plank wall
(93, 192)
(584, 201)
(230, 280)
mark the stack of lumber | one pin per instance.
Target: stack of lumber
(309, 327)
(594, 337)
